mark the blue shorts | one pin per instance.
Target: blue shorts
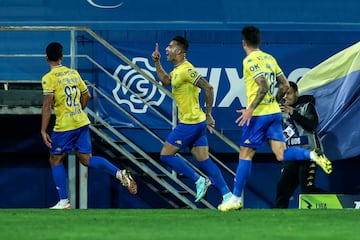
(78, 139)
(262, 128)
(188, 135)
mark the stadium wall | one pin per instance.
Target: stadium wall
(291, 29)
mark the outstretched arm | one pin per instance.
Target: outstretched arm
(209, 100)
(283, 87)
(263, 89)
(246, 114)
(45, 118)
(85, 97)
(163, 76)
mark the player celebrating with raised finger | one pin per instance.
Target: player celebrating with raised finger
(186, 84)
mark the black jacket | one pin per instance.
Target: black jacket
(303, 122)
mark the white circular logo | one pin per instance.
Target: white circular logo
(92, 3)
(142, 90)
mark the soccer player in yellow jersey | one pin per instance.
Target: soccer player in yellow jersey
(65, 91)
(261, 120)
(186, 84)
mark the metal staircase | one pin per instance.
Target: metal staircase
(138, 157)
(166, 184)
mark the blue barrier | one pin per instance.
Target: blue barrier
(298, 34)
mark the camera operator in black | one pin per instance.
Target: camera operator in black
(300, 120)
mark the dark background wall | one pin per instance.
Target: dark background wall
(25, 175)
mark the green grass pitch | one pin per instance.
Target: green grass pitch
(172, 224)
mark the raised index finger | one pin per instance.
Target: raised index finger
(156, 47)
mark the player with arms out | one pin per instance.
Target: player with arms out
(186, 84)
(261, 120)
(66, 92)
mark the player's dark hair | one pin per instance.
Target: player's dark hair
(54, 51)
(182, 42)
(252, 36)
(293, 86)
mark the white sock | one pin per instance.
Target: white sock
(235, 199)
(227, 195)
(198, 179)
(312, 157)
(118, 174)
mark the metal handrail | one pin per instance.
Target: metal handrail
(118, 54)
(73, 56)
(148, 158)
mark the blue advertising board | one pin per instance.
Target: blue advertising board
(185, 14)
(221, 64)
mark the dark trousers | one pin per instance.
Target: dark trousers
(294, 174)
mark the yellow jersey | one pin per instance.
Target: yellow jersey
(67, 86)
(186, 94)
(255, 64)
